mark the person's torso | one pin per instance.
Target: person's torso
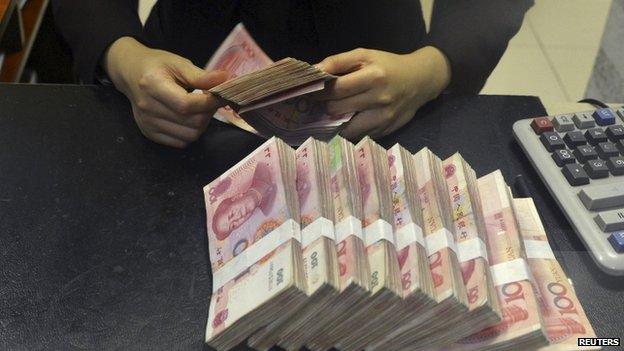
(308, 30)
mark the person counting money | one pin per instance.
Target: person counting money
(388, 64)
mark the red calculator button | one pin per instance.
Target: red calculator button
(541, 125)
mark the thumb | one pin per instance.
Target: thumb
(194, 77)
(210, 79)
(343, 63)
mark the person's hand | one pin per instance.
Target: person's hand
(384, 88)
(156, 83)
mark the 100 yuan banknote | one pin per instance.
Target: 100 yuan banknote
(472, 253)
(409, 235)
(239, 54)
(563, 314)
(245, 204)
(521, 318)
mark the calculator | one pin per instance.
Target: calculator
(580, 158)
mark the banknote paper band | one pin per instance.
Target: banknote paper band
(470, 249)
(318, 228)
(408, 234)
(440, 239)
(348, 226)
(538, 249)
(241, 262)
(378, 230)
(510, 271)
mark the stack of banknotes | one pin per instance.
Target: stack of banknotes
(271, 84)
(277, 104)
(361, 248)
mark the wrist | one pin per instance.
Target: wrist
(118, 57)
(435, 65)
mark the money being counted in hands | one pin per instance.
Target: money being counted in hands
(293, 115)
(238, 54)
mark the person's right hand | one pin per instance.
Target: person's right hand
(156, 83)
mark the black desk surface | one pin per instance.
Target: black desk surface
(102, 232)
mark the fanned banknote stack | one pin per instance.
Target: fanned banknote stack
(469, 233)
(522, 325)
(318, 249)
(359, 248)
(352, 258)
(562, 313)
(418, 291)
(254, 243)
(271, 99)
(384, 302)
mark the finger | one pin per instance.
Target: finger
(344, 62)
(192, 76)
(158, 109)
(175, 130)
(395, 125)
(348, 85)
(377, 132)
(391, 128)
(168, 140)
(361, 124)
(360, 102)
(176, 98)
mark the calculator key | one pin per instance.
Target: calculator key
(552, 141)
(620, 146)
(616, 165)
(598, 197)
(585, 153)
(563, 156)
(563, 123)
(606, 150)
(583, 120)
(615, 133)
(617, 241)
(596, 169)
(610, 221)
(620, 112)
(575, 174)
(604, 116)
(574, 139)
(595, 136)
(541, 125)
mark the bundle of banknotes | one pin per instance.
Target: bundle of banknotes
(361, 248)
(271, 84)
(271, 99)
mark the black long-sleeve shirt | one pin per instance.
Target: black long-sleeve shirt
(473, 34)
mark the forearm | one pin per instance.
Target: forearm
(90, 27)
(474, 35)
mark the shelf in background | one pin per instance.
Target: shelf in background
(14, 63)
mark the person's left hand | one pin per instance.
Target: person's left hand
(384, 88)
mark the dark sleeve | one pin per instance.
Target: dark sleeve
(90, 26)
(474, 35)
